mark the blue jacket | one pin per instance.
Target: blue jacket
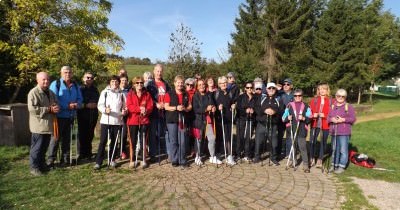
(66, 96)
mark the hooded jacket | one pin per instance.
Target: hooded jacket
(114, 99)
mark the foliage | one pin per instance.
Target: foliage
(137, 61)
(184, 54)
(44, 35)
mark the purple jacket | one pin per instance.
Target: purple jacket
(343, 129)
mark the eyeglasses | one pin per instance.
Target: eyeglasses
(286, 84)
(191, 85)
(89, 78)
(141, 83)
(271, 88)
(258, 89)
(339, 96)
(222, 83)
(249, 87)
(298, 96)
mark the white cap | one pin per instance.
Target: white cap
(271, 84)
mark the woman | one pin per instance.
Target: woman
(245, 115)
(341, 117)
(320, 108)
(225, 105)
(204, 109)
(298, 114)
(176, 105)
(112, 107)
(211, 87)
(140, 106)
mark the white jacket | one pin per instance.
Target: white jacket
(114, 99)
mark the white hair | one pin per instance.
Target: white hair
(222, 79)
(341, 92)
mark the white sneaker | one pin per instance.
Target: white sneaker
(216, 161)
(113, 164)
(230, 160)
(246, 159)
(198, 161)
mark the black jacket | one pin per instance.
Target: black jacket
(200, 103)
(226, 100)
(264, 102)
(243, 102)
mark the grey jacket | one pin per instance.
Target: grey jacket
(40, 118)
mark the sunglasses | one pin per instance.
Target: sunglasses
(141, 83)
(249, 87)
(191, 85)
(258, 89)
(339, 96)
(271, 88)
(286, 84)
(297, 95)
(89, 78)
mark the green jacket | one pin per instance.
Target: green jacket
(40, 118)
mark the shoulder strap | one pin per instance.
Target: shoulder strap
(58, 84)
(277, 101)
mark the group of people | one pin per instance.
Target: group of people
(195, 118)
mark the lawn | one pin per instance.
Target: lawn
(138, 70)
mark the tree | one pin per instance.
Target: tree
(247, 47)
(44, 35)
(184, 54)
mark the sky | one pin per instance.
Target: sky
(146, 25)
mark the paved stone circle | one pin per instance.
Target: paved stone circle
(243, 186)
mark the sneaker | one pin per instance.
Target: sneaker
(131, 165)
(230, 160)
(312, 162)
(214, 160)
(96, 167)
(135, 164)
(175, 164)
(246, 159)
(198, 161)
(144, 165)
(339, 170)
(306, 170)
(113, 164)
(36, 172)
(123, 156)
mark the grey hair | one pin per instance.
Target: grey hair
(300, 91)
(66, 68)
(190, 80)
(147, 75)
(222, 79)
(341, 92)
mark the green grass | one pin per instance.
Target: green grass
(67, 188)
(379, 140)
(354, 196)
(138, 70)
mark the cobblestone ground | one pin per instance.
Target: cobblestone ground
(244, 186)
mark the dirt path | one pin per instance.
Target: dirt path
(379, 116)
(383, 195)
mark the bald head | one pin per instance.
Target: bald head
(158, 70)
(42, 79)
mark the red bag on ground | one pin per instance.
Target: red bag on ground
(361, 159)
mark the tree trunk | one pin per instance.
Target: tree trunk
(359, 96)
(14, 95)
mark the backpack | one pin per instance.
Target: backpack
(58, 85)
(361, 159)
(346, 107)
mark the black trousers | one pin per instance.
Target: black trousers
(87, 120)
(106, 130)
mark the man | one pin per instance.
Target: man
(268, 109)
(232, 87)
(42, 106)
(286, 96)
(157, 88)
(70, 99)
(87, 116)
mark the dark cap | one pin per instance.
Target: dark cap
(287, 80)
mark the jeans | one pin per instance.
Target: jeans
(37, 154)
(177, 144)
(340, 151)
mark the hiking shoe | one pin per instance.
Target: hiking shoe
(113, 164)
(230, 160)
(339, 170)
(214, 160)
(306, 170)
(123, 156)
(198, 161)
(36, 172)
(246, 159)
(96, 167)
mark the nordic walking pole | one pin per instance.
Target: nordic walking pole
(291, 148)
(130, 146)
(233, 112)
(144, 148)
(223, 134)
(159, 137)
(138, 142)
(334, 149)
(270, 140)
(115, 146)
(70, 140)
(76, 143)
(266, 140)
(121, 139)
(108, 139)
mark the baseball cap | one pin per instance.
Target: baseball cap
(287, 80)
(271, 84)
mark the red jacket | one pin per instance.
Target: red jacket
(315, 104)
(133, 102)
